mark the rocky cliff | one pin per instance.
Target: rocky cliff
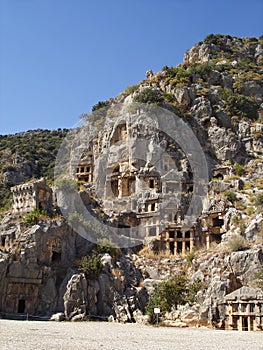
(217, 92)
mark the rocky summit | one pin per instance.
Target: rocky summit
(153, 206)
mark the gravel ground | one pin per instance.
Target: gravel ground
(34, 335)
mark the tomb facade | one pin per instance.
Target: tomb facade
(244, 309)
(32, 195)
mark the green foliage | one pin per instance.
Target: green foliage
(99, 105)
(169, 97)
(239, 105)
(216, 39)
(166, 295)
(231, 196)
(105, 245)
(75, 218)
(94, 228)
(149, 96)
(177, 75)
(131, 89)
(239, 169)
(35, 216)
(242, 105)
(91, 266)
(35, 150)
(5, 197)
(202, 69)
(193, 288)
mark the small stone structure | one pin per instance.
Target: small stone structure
(244, 309)
(30, 196)
(213, 226)
(84, 170)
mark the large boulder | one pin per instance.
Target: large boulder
(75, 298)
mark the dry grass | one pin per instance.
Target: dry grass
(236, 243)
(148, 253)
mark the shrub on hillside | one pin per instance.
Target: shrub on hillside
(91, 266)
(99, 105)
(236, 243)
(231, 196)
(35, 216)
(239, 169)
(166, 295)
(149, 96)
(215, 39)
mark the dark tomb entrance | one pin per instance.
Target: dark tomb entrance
(21, 306)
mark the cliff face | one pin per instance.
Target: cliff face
(138, 177)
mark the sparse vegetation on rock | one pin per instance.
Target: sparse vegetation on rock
(218, 92)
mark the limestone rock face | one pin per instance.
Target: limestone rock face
(75, 297)
(106, 295)
(253, 229)
(17, 174)
(246, 263)
(220, 98)
(32, 279)
(200, 53)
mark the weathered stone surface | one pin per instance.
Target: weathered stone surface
(246, 263)
(253, 229)
(75, 296)
(36, 262)
(58, 317)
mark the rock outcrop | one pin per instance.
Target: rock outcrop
(132, 176)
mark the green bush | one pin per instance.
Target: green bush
(166, 295)
(193, 288)
(149, 96)
(91, 266)
(239, 105)
(35, 216)
(75, 218)
(177, 75)
(215, 39)
(202, 69)
(169, 97)
(239, 169)
(99, 105)
(105, 245)
(231, 196)
(243, 105)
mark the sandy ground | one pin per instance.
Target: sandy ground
(35, 335)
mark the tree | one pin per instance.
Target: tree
(166, 295)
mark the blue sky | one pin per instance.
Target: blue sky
(60, 57)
